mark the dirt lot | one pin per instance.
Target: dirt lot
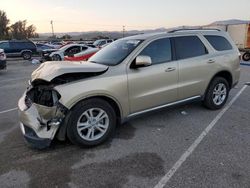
(185, 146)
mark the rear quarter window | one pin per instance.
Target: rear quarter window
(219, 43)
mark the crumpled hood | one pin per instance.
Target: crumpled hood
(52, 69)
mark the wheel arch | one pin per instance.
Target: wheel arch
(224, 74)
(23, 51)
(61, 133)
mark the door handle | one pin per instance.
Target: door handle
(211, 61)
(170, 69)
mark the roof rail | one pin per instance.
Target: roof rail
(208, 29)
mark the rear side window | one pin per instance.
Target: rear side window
(188, 47)
(29, 45)
(159, 51)
(219, 43)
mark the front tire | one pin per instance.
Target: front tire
(91, 122)
(217, 93)
(56, 57)
(26, 55)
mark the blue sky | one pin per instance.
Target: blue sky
(86, 15)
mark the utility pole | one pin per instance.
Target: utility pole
(123, 31)
(52, 28)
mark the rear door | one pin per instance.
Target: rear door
(16, 47)
(195, 65)
(154, 85)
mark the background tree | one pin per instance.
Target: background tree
(4, 22)
(20, 30)
(66, 37)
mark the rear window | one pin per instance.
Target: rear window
(188, 47)
(219, 43)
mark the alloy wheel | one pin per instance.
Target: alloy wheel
(92, 124)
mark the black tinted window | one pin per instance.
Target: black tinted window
(22, 45)
(159, 51)
(189, 46)
(218, 42)
(16, 45)
(28, 45)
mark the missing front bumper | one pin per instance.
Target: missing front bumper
(32, 139)
(39, 124)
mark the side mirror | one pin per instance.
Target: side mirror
(143, 61)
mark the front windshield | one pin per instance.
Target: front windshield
(116, 52)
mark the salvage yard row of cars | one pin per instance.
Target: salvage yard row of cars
(85, 101)
(56, 51)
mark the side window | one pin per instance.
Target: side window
(4, 45)
(29, 45)
(102, 43)
(15, 45)
(189, 46)
(219, 43)
(73, 50)
(159, 51)
(84, 48)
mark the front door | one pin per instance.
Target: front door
(154, 85)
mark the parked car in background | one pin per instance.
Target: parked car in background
(55, 45)
(82, 56)
(67, 50)
(18, 48)
(2, 59)
(84, 102)
(102, 42)
(41, 47)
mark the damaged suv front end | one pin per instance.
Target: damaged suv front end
(41, 114)
(40, 111)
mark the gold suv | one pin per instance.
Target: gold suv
(84, 101)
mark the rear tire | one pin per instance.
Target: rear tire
(85, 128)
(26, 55)
(246, 56)
(217, 93)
